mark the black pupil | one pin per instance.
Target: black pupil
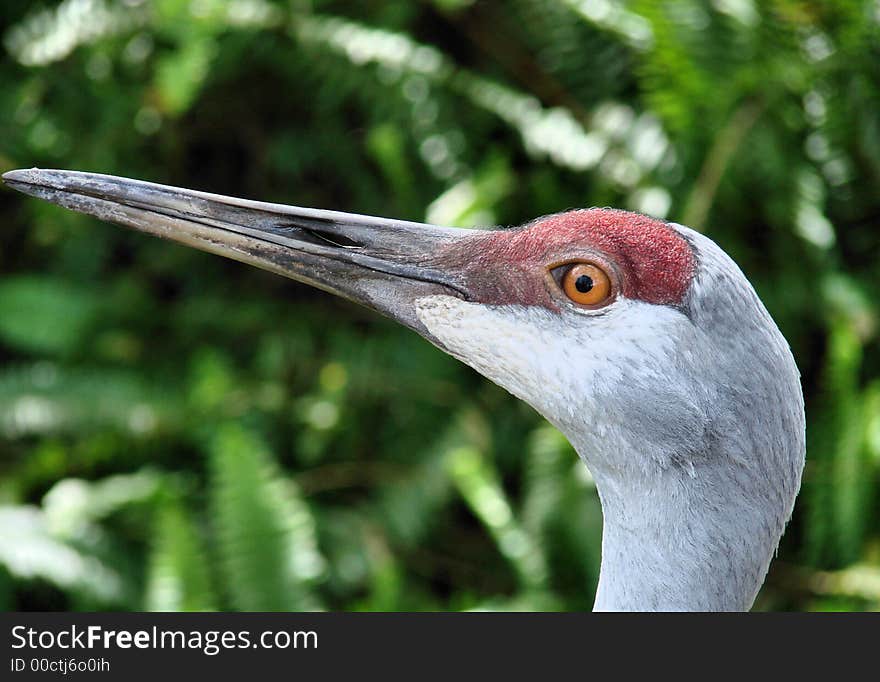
(583, 283)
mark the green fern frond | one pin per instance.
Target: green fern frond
(264, 530)
(178, 577)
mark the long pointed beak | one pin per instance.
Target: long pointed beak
(383, 264)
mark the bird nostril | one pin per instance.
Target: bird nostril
(329, 238)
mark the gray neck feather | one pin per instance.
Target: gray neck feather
(684, 542)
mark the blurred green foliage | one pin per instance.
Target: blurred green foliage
(182, 432)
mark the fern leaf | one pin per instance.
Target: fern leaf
(178, 578)
(265, 531)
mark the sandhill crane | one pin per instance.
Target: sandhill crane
(641, 340)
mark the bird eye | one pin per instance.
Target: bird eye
(586, 284)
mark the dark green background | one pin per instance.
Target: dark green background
(178, 431)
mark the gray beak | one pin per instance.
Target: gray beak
(383, 264)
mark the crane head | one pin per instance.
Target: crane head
(641, 340)
(611, 324)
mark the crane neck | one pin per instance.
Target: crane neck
(683, 539)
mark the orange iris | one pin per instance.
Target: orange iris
(586, 284)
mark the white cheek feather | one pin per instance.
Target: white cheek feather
(558, 362)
